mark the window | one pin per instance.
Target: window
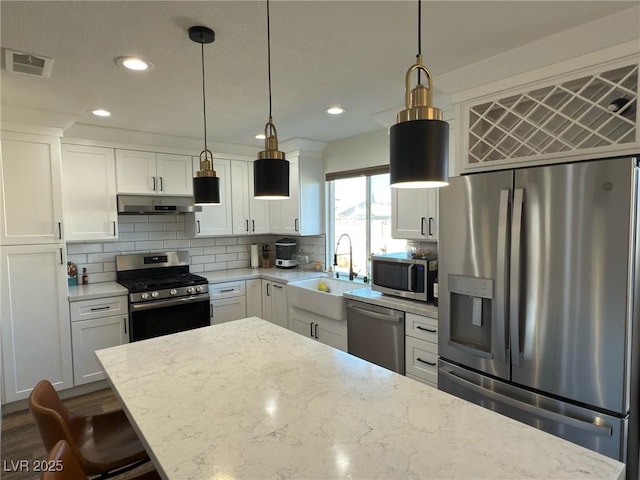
(360, 208)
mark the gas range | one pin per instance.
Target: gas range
(164, 297)
(157, 276)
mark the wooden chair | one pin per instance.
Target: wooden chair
(63, 465)
(103, 444)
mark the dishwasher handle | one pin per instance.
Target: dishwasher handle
(395, 317)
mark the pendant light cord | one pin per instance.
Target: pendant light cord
(204, 99)
(419, 35)
(269, 56)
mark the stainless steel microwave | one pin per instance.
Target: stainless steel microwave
(400, 275)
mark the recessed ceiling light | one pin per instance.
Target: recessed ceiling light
(335, 110)
(100, 112)
(134, 63)
(260, 136)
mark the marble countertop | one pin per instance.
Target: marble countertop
(367, 295)
(248, 399)
(275, 274)
(111, 289)
(96, 290)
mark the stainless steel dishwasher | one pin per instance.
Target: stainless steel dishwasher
(376, 334)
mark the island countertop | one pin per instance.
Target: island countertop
(249, 399)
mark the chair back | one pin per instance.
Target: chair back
(50, 415)
(62, 464)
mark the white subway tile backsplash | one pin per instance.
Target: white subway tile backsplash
(76, 248)
(237, 248)
(214, 250)
(238, 264)
(77, 259)
(162, 235)
(101, 257)
(177, 244)
(151, 233)
(118, 247)
(202, 242)
(203, 259)
(133, 219)
(209, 267)
(226, 241)
(148, 227)
(149, 246)
(134, 236)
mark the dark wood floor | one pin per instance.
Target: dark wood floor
(21, 440)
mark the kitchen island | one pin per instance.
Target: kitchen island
(249, 399)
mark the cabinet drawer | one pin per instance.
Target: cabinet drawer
(98, 307)
(227, 289)
(421, 380)
(421, 359)
(425, 328)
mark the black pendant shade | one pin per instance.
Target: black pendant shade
(419, 151)
(206, 190)
(271, 178)
(419, 141)
(271, 169)
(206, 185)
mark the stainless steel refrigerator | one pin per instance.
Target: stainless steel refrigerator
(538, 299)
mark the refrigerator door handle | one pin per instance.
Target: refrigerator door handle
(590, 427)
(514, 308)
(500, 313)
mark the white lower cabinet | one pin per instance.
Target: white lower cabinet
(421, 348)
(96, 324)
(325, 330)
(228, 301)
(34, 313)
(254, 297)
(274, 303)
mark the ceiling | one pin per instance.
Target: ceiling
(324, 53)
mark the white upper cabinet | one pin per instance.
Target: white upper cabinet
(149, 173)
(250, 216)
(414, 213)
(575, 110)
(213, 219)
(302, 212)
(30, 189)
(89, 193)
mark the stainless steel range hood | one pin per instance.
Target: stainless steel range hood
(155, 205)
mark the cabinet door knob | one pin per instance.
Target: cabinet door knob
(422, 219)
(295, 224)
(124, 323)
(316, 331)
(430, 223)
(198, 223)
(154, 183)
(253, 225)
(114, 229)
(161, 183)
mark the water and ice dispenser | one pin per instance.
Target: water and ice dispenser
(471, 302)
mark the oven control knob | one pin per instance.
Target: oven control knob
(155, 294)
(173, 291)
(144, 296)
(190, 289)
(199, 289)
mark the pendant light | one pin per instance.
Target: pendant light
(271, 169)
(419, 141)
(206, 186)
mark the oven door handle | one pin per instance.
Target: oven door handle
(137, 307)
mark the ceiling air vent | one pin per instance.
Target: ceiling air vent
(28, 63)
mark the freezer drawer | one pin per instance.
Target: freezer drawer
(422, 359)
(603, 433)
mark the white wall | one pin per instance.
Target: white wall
(366, 150)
